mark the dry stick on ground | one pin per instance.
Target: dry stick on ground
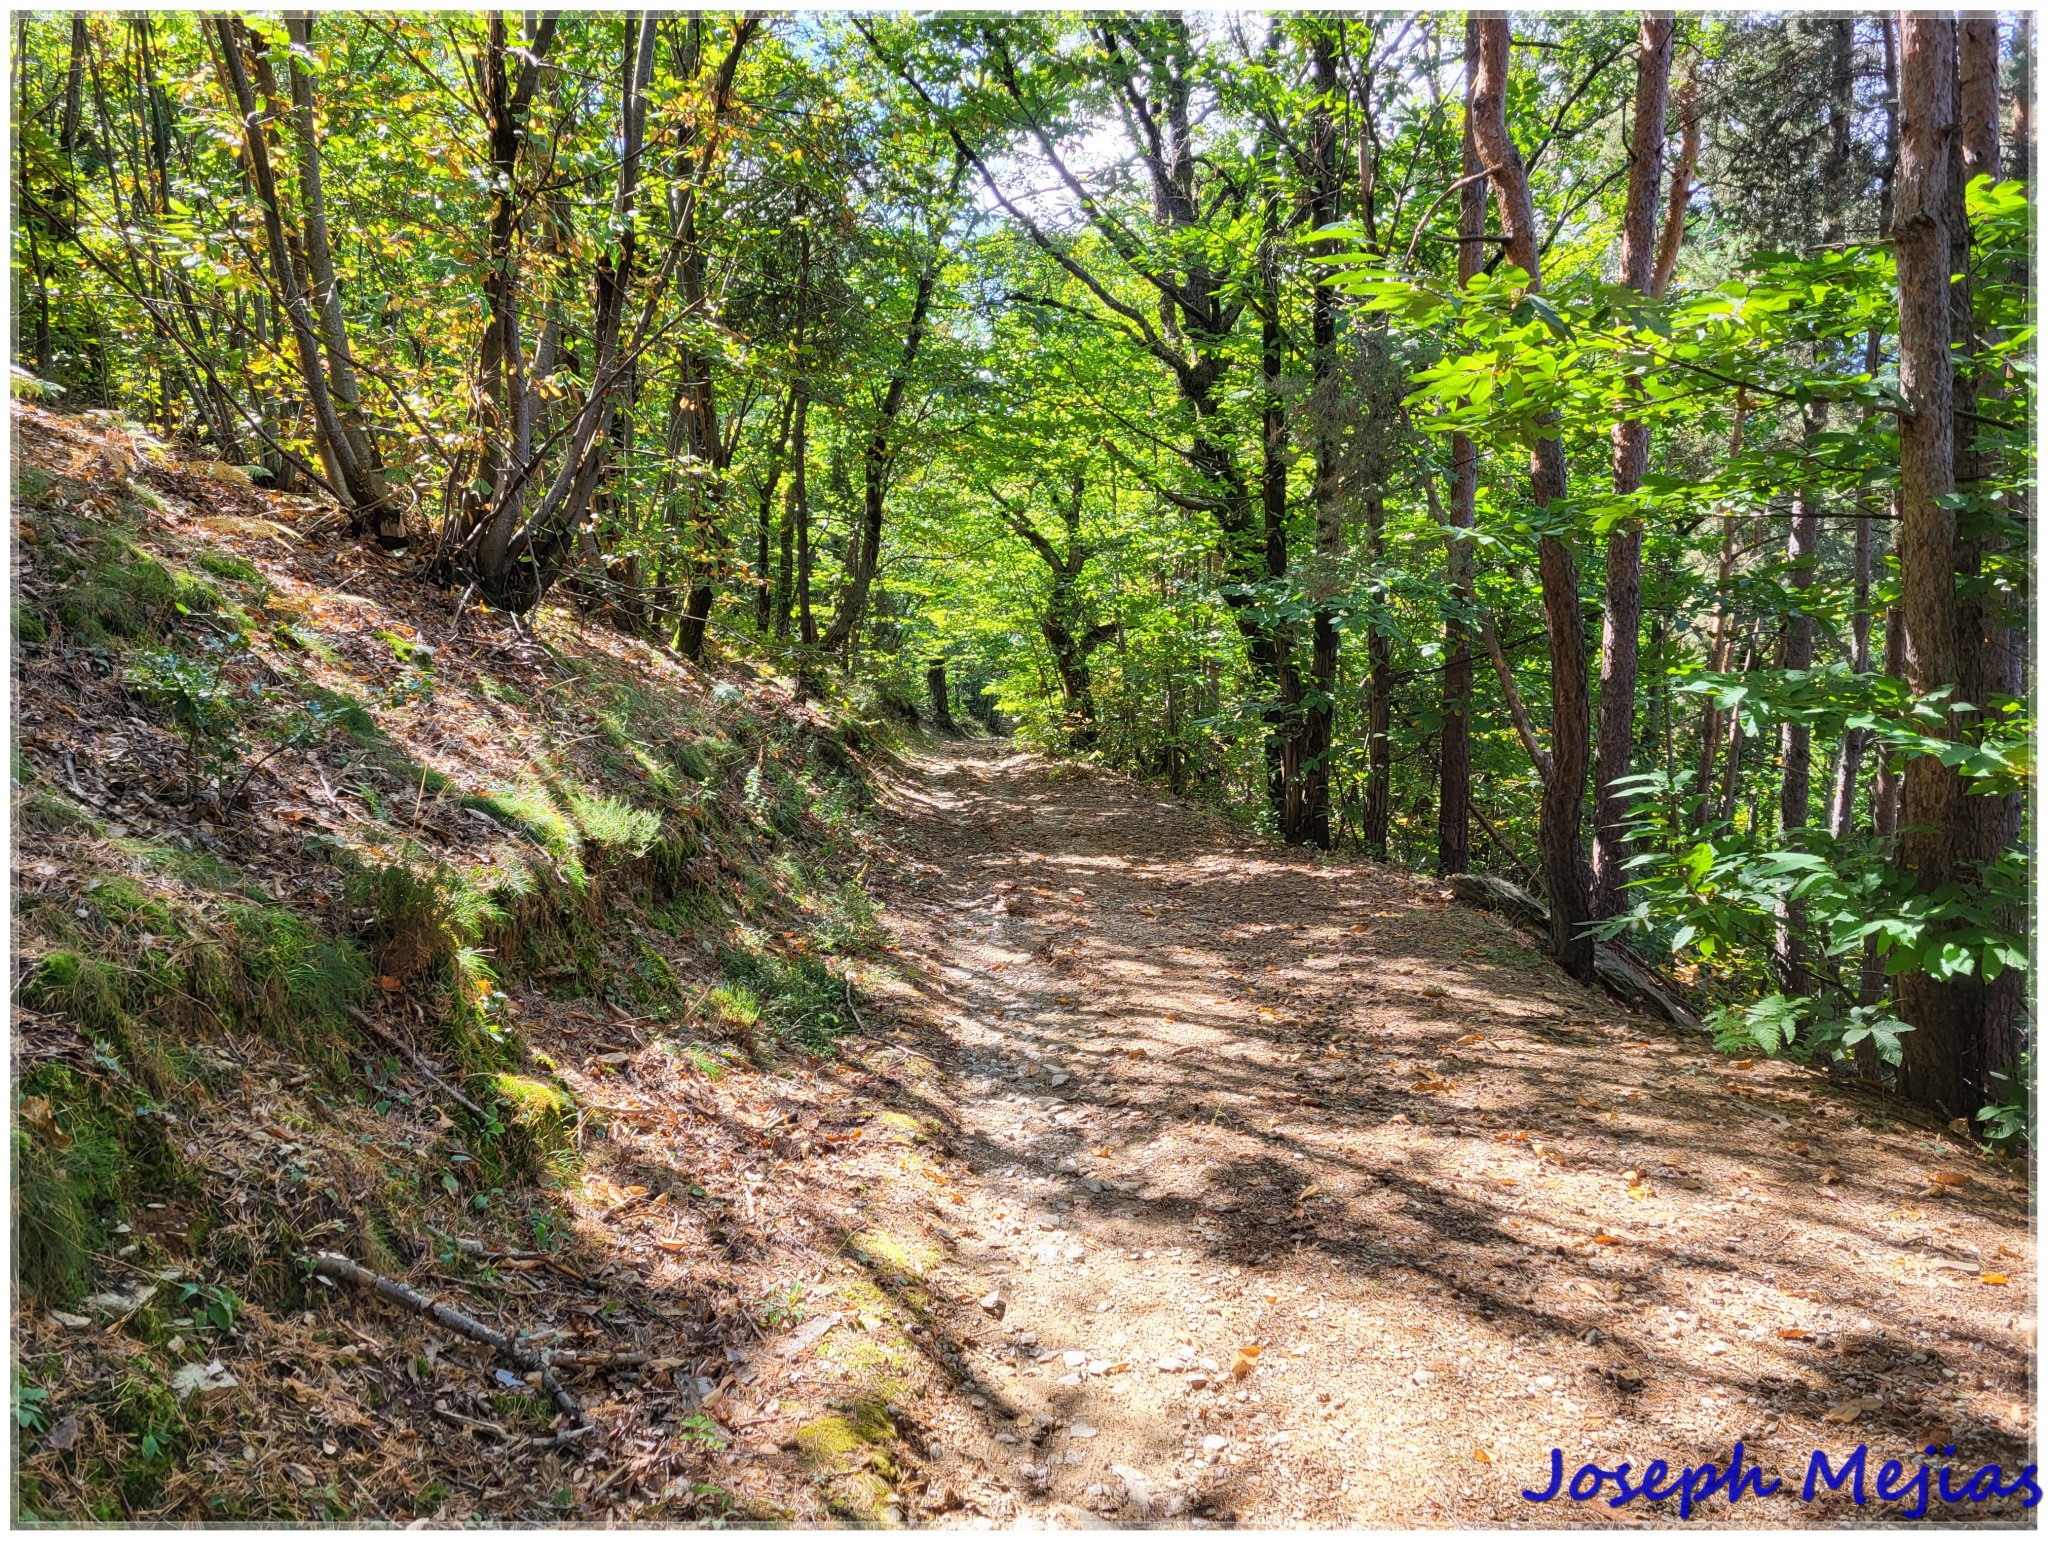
(337, 1269)
(363, 1020)
(476, 1249)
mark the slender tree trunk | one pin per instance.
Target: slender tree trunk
(1566, 879)
(1319, 719)
(506, 405)
(1454, 798)
(1841, 814)
(1621, 625)
(764, 585)
(1680, 199)
(382, 514)
(312, 373)
(1938, 1068)
(1795, 739)
(1376, 814)
(878, 455)
(74, 75)
(800, 501)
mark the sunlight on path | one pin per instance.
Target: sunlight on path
(1310, 1198)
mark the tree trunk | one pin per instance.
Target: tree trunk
(1621, 625)
(74, 75)
(312, 373)
(494, 516)
(942, 702)
(1565, 877)
(1990, 647)
(766, 587)
(382, 516)
(800, 501)
(1680, 198)
(1376, 814)
(1938, 1068)
(876, 459)
(1454, 797)
(1795, 739)
(1318, 730)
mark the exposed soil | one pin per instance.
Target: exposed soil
(1228, 1103)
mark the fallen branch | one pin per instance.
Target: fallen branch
(336, 1269)
(517, 1259)
(363, 1020)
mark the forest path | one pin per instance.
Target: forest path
(1230, 1106)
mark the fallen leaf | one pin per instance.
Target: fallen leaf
(1744, 1064)
(1832, 1175)
(809, 1333)
(1953, 1179)
(1795, 1334)
(1992, 1278)
(63, 1436)
(201, 1380)
(1850, 1411)
(389, 984)
(1602, 1239)
(1246, 1360)
(1472, 1038)
(1479, 1454)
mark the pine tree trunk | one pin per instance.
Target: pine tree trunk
(1566, 879)
(1621, 625)
(1938, 1067)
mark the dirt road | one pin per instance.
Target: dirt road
(1312, 1198)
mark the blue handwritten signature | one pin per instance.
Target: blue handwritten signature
(1697, 1483)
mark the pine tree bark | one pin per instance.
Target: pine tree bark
(1938, 1066)
(1990, 646)
(1621, 624)
(1566, 879)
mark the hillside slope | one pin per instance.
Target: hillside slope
(339, 928)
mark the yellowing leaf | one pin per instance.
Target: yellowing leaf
(1479, 1454)
(1992, 1278)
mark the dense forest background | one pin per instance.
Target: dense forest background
(1593, 448)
